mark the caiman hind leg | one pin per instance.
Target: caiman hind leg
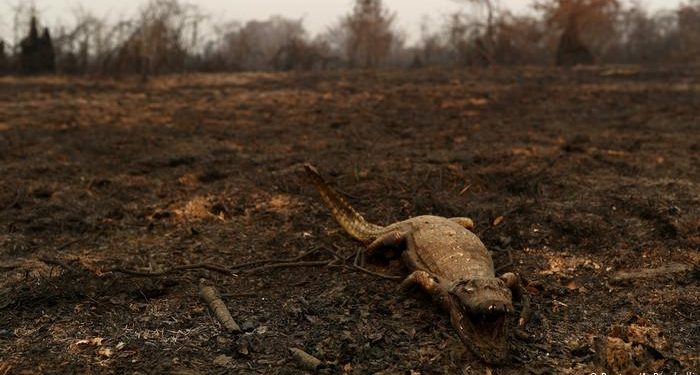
(393, 239)
(464, 221)
(430, 284)
(515, 284)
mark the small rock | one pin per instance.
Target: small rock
(248, 326)
(223, 340)
(223, 361)
(244, 346)
(580, 349)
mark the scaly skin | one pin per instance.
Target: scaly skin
(449, 262)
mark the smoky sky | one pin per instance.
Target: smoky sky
(318, 15)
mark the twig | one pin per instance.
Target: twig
(335, 254)
(211, 297)
(289, 264)
(238, 295)
(65, 245)
(205, 266)
(9, 267)
(370, 272)
(347, 258)
(265, 261)
(58, 262)
(14, 201)
(507, 264)
(208, 266)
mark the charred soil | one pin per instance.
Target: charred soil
(590, 178)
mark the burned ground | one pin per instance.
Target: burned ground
(589, 177)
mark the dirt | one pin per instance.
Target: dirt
(586, 177)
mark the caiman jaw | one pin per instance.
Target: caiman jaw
(483, 331)
(481, 322)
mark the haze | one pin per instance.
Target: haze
(317, 14)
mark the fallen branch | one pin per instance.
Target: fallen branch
(267, 261)
(211, 297)
(290, 264)
(166, 271)
(263, 264)
(305, 360)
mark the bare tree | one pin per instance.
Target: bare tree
(431, 49)
(689, 32)
(485, 41)
(370, 33)
(80, 48)
(262, 45)
(519, 40)
(161, 39)
(587, 28)
(644, 38)
(457, 38)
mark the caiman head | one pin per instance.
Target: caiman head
(479, 310)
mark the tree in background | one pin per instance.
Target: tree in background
(485, 38)
(370, 34)
(457, 38)
(160, 41)
(430, 49)
(587, 28)
(258, 44)
(37, 54)
(81, 48)
(689, 32)
(519, 40)
(571, 50)
(3, 58)
(169, 36)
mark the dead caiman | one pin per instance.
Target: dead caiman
(447, 261)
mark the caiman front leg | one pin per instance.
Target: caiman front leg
(430, 284)
(464, 221)
(515, 284)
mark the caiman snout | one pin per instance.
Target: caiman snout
(480, 310)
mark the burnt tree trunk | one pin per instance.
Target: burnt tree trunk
(3, 58)
(571, 50)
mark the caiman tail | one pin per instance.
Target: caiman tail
(344, 214)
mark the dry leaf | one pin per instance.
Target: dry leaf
(95, 341)
(104, 352)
